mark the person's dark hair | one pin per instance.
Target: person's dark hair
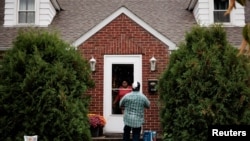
(136, 86)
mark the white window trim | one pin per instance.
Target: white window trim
(211, 13)
(37, 2)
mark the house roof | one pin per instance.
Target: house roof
(124, 10)
(169, 18)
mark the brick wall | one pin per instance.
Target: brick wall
(124, 36)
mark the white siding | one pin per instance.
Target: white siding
(10, 12)
(203, 13)
(238, 16)
(45, 13)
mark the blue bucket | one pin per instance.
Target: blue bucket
(149, 135)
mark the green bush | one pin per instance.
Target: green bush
(204, 84)
(42, 84)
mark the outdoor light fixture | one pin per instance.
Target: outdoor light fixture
(92, 63)
(152, 63)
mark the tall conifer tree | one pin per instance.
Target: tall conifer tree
(42, 86)
(204, 84)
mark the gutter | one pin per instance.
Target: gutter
(56, 5)
(191, 5)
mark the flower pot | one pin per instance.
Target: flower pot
(100, 131)
(94, 131)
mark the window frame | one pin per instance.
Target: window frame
(26, 11)
(219, 12)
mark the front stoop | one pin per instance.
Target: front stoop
(108, 137)
(115, 137)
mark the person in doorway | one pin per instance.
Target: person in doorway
(123, 90)
(134, 104)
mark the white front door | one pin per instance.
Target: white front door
(117, 68)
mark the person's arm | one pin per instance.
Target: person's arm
(122, 102)
(147, 102)
(116, 99)
(147, 105)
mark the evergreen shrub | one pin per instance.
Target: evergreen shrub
(43, 81)
(204, 84)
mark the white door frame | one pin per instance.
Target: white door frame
(115, 122)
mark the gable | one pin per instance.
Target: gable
(123, 10)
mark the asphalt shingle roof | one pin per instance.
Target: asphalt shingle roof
(169, 17)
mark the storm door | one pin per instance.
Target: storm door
(118, 68)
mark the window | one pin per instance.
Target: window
(120, 73)
(220, 7)
(26, 13)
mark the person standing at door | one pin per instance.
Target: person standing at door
(123, 90)
(134, 104)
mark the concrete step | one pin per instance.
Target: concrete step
(116, 137)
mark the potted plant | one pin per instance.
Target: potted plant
(101, 124)
(96, 122)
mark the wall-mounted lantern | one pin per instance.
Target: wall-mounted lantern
(152, 64)
(92, 63)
